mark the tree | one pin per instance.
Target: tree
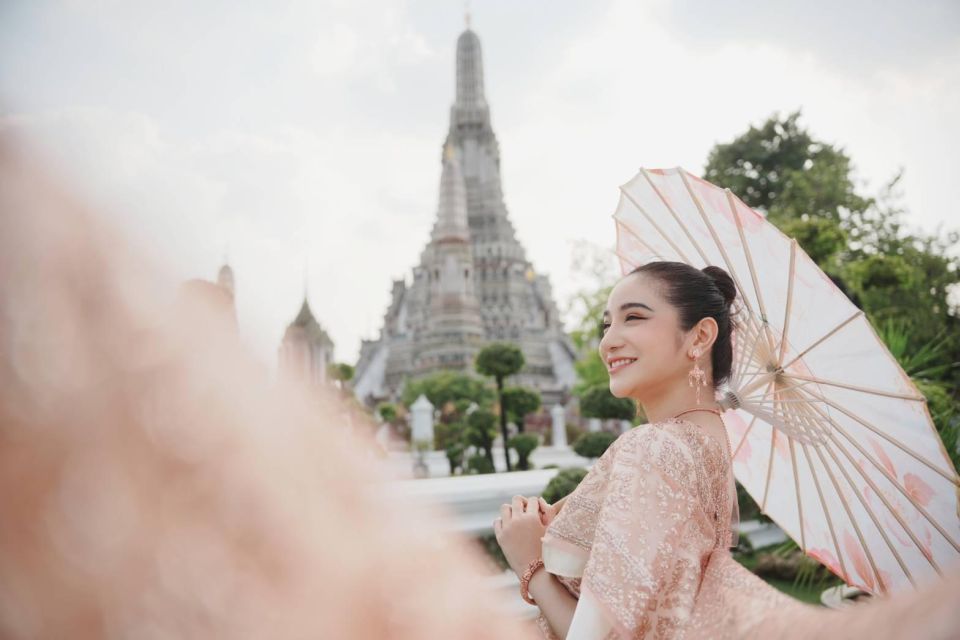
(524, 444)
(519, 403)
(500, 360)
(480, 432)
(448, 386)
(593, 444)
(342, 373)
(563, 484)
(598, 402)
(782, 170)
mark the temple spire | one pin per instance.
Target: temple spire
(470, 91)
(452, 208)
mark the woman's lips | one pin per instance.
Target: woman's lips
(621, 365)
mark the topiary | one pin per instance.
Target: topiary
(523, 444)
(592, 445)
(479, 463)
(562, 484)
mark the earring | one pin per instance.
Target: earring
(697, 378)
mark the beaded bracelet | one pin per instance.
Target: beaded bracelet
(525, 580)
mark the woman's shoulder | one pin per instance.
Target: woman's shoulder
(674, 441)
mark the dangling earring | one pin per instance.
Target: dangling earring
(697, 378)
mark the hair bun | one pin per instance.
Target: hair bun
(724, 283)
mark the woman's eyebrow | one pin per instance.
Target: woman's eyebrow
(629, 305)
(632, 305)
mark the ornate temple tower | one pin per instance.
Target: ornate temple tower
(306, 351)
(474, 283)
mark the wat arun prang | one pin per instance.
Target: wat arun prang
(474, 284)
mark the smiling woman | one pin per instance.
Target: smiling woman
(641, 548)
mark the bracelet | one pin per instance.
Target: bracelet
(525, 580)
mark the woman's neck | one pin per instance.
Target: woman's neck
(676, 399)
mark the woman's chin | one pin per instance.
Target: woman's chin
(619, 390)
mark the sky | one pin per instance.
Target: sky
(301, 141)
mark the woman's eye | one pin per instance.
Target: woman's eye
(634, 317)
(603, 327)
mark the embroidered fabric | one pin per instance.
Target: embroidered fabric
(645, 524)
(643, 542)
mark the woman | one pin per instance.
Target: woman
(641, 548)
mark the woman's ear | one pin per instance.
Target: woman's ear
(704, 335)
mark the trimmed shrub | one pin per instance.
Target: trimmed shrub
(592, 445)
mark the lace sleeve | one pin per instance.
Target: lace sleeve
(645, 564)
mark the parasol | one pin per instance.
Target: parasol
(828, 434)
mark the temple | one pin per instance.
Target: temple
(473, 284)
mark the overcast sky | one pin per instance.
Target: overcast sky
(305, 136)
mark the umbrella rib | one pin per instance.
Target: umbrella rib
(826, 512)
(744, 438)
(676, 217)
(951, 477)
(752, 268)
(889, 507)
(853, 387)
(796, 489)
(786, 313)
(753, 334)
(773, 445)
(846, 508)
(716, 238)
(743, 385)
(824, 338)
(650, 219)
(644, 243)
(876, 522)
(895, 482)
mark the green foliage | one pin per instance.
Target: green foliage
(520, 402)
(593, 444)
(387, 411)
(478, 464)
(448, 387)
(499, 360)
(480, 432)
(523, 444)
(342, 372)
(563, 484)
(780, 169)
(821, 238)
(455, 453)
(598, 402)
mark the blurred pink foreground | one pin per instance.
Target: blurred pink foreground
(153, 484)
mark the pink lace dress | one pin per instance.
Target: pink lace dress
(643, 544)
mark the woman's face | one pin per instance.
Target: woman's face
(642, 344)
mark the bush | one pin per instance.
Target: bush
(479, 463)
(592, 445)
(563, 483)
(523, 444)
(598, 402)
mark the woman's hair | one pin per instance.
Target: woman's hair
(696, 295)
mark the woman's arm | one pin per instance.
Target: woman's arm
(555, 602)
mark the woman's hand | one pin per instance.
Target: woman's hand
(519, 530)
(548, 511)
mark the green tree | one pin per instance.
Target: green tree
(524, 444)
(593, 444)
(782, 170)
(519, 403)
(598, 402)
(563, 484)
(480, 432)
(500, 360)
(387, 412)
(448, 387)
